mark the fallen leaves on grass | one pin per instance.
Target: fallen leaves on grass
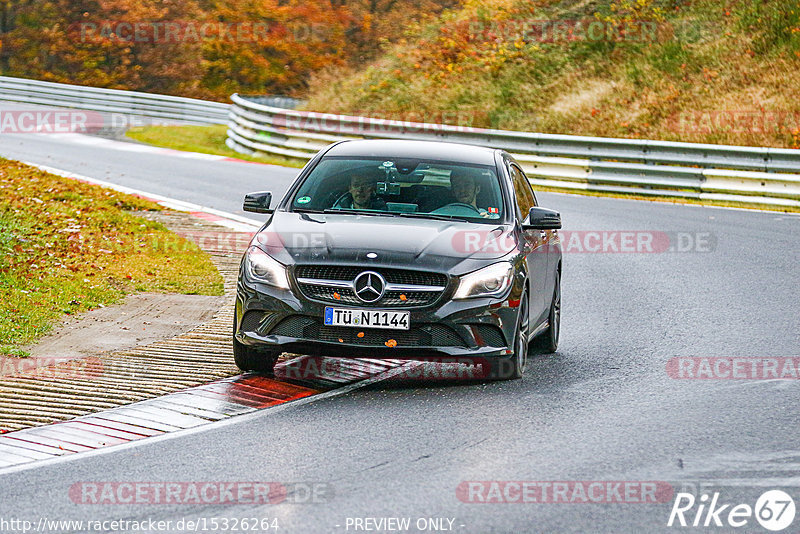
(68, 246)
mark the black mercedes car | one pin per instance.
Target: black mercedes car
(402, 249)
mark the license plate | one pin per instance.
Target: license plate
(396, 320)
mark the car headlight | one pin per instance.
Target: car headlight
(491, 281)
(263, 268)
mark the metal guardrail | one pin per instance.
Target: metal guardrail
(275, 101)
(113, 101)
(657, 168)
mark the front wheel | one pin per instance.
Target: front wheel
(249, 359)
(547, 341)
(511, 368)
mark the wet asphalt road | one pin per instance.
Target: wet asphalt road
(603, 408)
(214, 184)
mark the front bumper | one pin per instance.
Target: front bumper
(287, 321)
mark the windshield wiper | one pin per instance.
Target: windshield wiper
(412, 215)
(360, 212)
(301, 210)
(435, 216)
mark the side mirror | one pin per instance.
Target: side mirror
(542, 219)
(258, 202)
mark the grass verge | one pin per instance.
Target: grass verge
(68, 247)
(203, 139)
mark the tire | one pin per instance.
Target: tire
(513, 367)
(547, 341)
(249, 359)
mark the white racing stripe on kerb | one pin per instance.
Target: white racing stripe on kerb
(229, 220)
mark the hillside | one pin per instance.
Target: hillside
(701, 71)
(197, 48)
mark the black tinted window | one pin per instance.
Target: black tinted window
(433, 188)
(523, 191)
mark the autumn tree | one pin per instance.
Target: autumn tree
(200, 48)
(78, 41)
(379, 21)
(272, 45)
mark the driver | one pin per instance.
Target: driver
(465, 189)
(361, 195)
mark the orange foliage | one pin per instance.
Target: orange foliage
(199, 48)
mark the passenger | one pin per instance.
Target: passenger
(465, 189)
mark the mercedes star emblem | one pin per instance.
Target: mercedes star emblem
(369, 286)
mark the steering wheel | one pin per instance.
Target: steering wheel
(340, 199)
(458, 205)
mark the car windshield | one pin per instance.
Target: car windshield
(402, 187)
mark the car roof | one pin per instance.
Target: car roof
(431, 150)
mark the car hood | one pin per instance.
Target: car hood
(400, 242)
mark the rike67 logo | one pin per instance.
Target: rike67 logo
(774, 510)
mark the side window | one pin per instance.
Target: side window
(522, 190)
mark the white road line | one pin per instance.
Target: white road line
(229, 220)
